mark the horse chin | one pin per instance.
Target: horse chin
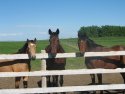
(82, 53)
(53, 55)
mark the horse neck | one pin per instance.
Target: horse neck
(23, 49)
(48, 49)
(61, 50)
(91, 45)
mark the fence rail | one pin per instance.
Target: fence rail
(62, 55)
(63, 89)
(44, 73)
(62, 72)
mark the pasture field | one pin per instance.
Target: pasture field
(70, 45)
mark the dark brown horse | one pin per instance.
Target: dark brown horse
(85, 44)
(20, 65)
(55, 63)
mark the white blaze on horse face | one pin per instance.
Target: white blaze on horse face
(32, 49)
(32, 44)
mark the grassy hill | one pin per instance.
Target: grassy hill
(70, 45)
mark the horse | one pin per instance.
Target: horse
(20, 65)
(55, 63)
(85, 44)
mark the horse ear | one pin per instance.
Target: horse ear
(50, 32)
(27, 40)
(35, 40)
(78, 34)
(57, 31)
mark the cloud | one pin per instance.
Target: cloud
(10, 34)
(43, 33)
(29, 26)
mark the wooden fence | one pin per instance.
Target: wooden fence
(45, 73)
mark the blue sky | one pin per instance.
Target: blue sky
(22, 19)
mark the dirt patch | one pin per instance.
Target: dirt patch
(76, 80)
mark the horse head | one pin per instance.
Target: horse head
(54, 41)
(82, 42)
(31, 48)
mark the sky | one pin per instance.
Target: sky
(29, 19)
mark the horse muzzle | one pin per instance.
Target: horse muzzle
(81, 53)
(32, 57)
(53, 55)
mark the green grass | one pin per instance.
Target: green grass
(70, 45)
(110, 41)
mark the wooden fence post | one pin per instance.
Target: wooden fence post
(43, 66)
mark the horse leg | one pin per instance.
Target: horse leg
(93, 78)
(61, 80)
(48, 81)
(99, 76)
(93, 82)
(123, 76)
(25, 81)
(55, 81)
(49, 84)
(17, 82)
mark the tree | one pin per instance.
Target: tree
(103, 31)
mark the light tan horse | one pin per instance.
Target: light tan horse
(20, 65)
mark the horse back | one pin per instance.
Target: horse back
(107, 62)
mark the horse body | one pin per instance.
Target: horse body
(14, 65)
(20, 65)
(55, 63)
(108, 62)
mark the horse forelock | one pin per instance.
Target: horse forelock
(32, 41)
(92, 45)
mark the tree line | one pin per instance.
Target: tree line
(103, 31)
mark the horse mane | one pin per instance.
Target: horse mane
(47, 49)
(92, 44)
(61, 48)
(23, 49)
